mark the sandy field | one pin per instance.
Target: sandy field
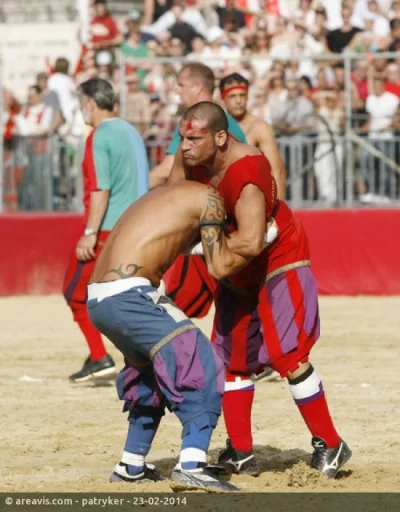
(56, 436)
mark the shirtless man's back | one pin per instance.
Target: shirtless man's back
(170, 362)
(143, 244)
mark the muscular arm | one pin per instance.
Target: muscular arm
(267, 144)
(227, 255)
(248, 240)
(221, 262)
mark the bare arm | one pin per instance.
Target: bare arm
(160, 173)
(365, 127)
(220, 260)
(171, 170)
(267, 144)
(226, 256)
(57, 121)
(97, 209)
(148, 12)
(178, 172)
(248, 240)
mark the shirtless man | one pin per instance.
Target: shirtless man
(234, 92)
(276, 291)
(169, 361)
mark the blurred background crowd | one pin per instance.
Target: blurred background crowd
(317, 69)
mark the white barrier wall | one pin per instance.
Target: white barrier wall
(24, 49)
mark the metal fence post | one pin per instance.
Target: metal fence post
(349, 159)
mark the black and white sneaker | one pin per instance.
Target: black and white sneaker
(105, 367)
(329, 460)
(149, 474)
(236, 461)
(201, 478)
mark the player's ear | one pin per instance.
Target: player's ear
(220, 138)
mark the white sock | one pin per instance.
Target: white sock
(133, 459)
(192, 455)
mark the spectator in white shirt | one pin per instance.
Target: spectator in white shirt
(381, 107)
(189, 15)
(34, 121)
(35, 117)
(64, 86)
(304, 15)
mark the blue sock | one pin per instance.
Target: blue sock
(196, 440)
(141, 432)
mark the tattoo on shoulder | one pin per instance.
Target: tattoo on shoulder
(212, 222)
(124, 271)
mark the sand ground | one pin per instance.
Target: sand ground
(56, 436)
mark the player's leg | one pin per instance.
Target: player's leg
(99, 363)
(289, 312)
(237, 340)
(191, 376)
(137, 386)
(187, 370)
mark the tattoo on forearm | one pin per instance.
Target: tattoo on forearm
(212, 223)
(130, 270)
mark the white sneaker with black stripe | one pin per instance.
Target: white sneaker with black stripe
(202, 478)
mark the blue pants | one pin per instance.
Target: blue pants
(168, 360)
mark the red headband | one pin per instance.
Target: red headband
(230, 89)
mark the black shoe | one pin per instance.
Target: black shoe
(93, 369)
(267, 375)
(149, 474)
(329, 460)
(236, 461)
(200, 478)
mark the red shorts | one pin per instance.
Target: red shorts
(288, 311)
(190, 286)
(278, 331)
(78, 276)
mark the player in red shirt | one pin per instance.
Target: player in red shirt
(266, 311)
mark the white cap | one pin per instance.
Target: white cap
(214, 33)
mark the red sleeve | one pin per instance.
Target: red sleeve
(112, 27)
(88, 164)
(254, 170)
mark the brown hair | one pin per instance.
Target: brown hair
(62, 66)
(200, 73)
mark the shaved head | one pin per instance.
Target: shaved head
(203, 132)
(209, 114)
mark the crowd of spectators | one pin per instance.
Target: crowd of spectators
(273, 46)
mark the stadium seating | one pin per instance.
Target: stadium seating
(20, 11)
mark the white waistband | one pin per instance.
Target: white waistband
(102, 290)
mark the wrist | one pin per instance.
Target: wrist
(90, 232)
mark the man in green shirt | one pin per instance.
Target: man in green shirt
(195, 84)
(135, 46)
